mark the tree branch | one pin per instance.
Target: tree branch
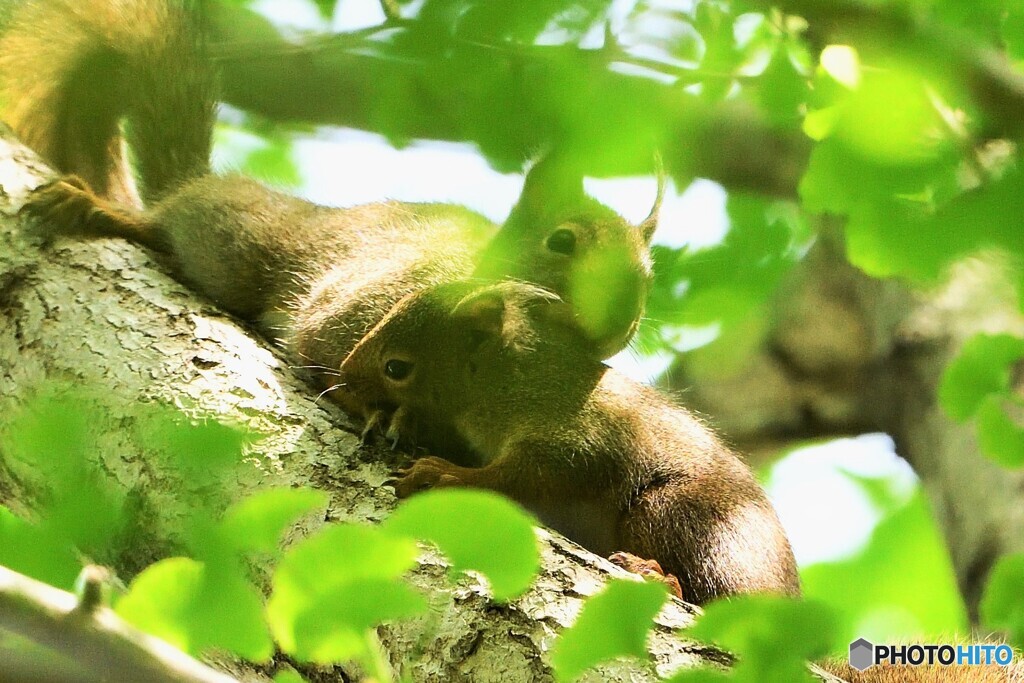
(996, 87)
(515, 102)
(97, 640)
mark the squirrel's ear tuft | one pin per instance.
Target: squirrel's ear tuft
(502, 311)
(552, 181)
(650, 224)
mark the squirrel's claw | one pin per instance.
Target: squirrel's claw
(393, 433)
(372, 428)
(649, 569)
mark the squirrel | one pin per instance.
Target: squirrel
(611, 463)
(311, 277)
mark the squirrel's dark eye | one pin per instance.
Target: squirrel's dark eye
(397, 369)
(562, 241)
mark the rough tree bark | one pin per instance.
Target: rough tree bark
(102, 315)
(848, 354)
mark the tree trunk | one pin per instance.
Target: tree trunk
(849, 354)
(103, 315)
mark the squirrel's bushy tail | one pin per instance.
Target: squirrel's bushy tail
(73, 72)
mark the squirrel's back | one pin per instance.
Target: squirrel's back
(71, 71)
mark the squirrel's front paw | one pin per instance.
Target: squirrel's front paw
(427, 473)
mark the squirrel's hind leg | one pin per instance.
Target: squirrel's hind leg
(69, 207)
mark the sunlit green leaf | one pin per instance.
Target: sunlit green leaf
(334, 628)
(499, 542)
(257, 521)
(1000, 438)
(773, 637)
(54, 435)
(194, 608)
(922, 598)
(36, 552)
(782, 89)
(982, 368)
(613, 623)
(327, 563)
(198, 449)
(1013, 28)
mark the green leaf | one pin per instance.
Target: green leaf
(257, 521)
(999, 436)
(773, 637)
(326, 564)
(613, 623)
(477, 530)
(288, 677)
(54, 436)
(334, 628)
(1001, 605)
(37, 552)
(1013, 29)
(982, 368)
(196, 608)
(199, 450)
(781, 89)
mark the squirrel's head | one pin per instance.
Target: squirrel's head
(436, 346)
(562, 239)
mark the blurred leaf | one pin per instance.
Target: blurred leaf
(288, 677)
(978, 19)
(716, 24)
(257, 521)
(53, 435)
(273, 163)
(499, 542)
(982, 368)
(781, 89)
(1000, 438)
(726, 285)
(497, 21)
(922, 598)
(1013, 29)
(773, 637)
(36, 552)
(336, 560)
(613, 623)
(195, 607)
(325, 7)
(198, 449)
(334, 628)
(1001, 606)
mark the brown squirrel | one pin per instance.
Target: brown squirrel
(317, 278)
(609, 462)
